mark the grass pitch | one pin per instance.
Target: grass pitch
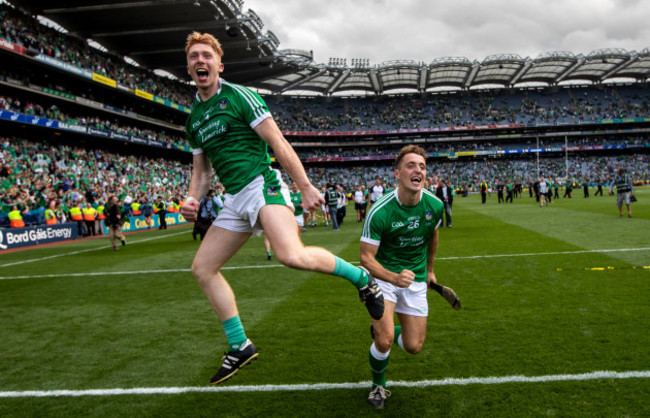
(550, 294)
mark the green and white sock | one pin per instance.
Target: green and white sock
(398, 332)
(400, 342)
(234, 333)
(378, 365)
(353, 274)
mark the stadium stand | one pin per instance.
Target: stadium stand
(78, 124)
(37, 38)
(530, 108)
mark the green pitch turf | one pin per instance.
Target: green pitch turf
(550, 294)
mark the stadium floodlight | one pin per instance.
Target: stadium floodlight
(337, 62)
(196, 3)
(360, 63)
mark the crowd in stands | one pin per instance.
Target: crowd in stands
(456, 146)
(564, 106)
(469, 174)
(33, 174)
(48, 88)
(54, 112)
(558, 106)
(26, 31)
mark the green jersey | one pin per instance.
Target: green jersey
(222, 127)
(402, 233)
(296, 200)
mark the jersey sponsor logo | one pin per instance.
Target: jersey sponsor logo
(212, 129)
(410, 241)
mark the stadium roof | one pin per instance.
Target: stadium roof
(153, 32)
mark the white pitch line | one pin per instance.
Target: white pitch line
(124, 273)
(88, 250)
(599, 375)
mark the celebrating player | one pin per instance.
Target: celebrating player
(229, 129)
(398, 247)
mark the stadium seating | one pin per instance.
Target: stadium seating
(44, 164)
(555, 107)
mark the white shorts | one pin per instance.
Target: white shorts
(300, 220)
(411, 300)
(240, 211)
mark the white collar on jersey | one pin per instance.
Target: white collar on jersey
(216, 94)
(397, 195)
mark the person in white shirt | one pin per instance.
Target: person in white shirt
(360, 204)
(341, 204)
(376, 191)
(543, 191)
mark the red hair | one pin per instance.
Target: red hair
(203, 38)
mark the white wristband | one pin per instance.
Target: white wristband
(189, 199)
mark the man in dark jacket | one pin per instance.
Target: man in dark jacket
(114, 222)
(443, 192)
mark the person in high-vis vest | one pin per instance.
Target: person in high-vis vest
(624, 192)
(162, 211)
(135, 207)
(77, 216)
(75, 213)
(89, 215)
(100, 217)
(16, 217)
(50, 213)
(100, 212)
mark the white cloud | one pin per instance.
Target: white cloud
(423, 30)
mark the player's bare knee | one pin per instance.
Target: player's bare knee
(291, 259)
(414, 348)
(383, 344)
(201, 273)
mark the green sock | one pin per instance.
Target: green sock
(398, 331)
(353, 274)
(234, 333)
(378, 367)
